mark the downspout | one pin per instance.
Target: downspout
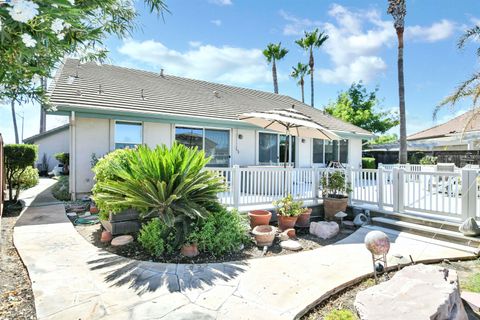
(73, 162)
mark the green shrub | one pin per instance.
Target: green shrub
(60, 189)
(18, 158)
(287, 207)
(156, 238)
(428, 160)
(28, 179)
(334, 185)
(472, 283)
(342, 314)
(166, 183)
(221, 232)
(63, 158)
(368, 163)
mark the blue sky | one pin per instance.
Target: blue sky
(221, 41)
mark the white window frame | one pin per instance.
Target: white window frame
(279, 161)
(127, 121)
(230, 136)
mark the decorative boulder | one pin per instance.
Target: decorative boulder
(324, 229)
(469, 228)
(121, 240)
(415, 292)
(291, 245)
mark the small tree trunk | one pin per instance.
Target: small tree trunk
(302, 83)
(43, 113)
(274, 75)
(311, 64)
(14, 118)
(401, 95)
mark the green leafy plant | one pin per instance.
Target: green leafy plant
(220, 232)
(28, 179)
(156, 238)
(428, 160)
(342, 314)
(368, 163)
(166, 183)
(334, 185)
(61, 189)
(18, 159)
(287, 207)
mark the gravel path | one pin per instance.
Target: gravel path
(16, 297)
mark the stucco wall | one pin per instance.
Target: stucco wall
(51, 144)
(155, 133)
(355, 153)
(244, 149)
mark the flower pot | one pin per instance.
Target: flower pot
(259, 218)
(106, 236)
(189, 250)
(303, 220)
(285, 222)
(264, 235)
(333, 205)
(93, 210)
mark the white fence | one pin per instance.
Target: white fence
(452, 194)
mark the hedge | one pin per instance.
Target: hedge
(368, 163)
(18, 157)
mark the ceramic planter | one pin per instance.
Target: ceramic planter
(333, 205)
(303, 220)
(264, 235)
(189, 250)
(93, 209)
(259, 218)
(106, 236)
(285, 222)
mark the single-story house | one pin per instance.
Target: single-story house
(49, 143)
(115, 107)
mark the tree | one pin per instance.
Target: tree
(471, 87)
(358, 107)
(397, 9)
(312, 40)
(299, 73)
(386, 138)
(18, 157)
(273, 53)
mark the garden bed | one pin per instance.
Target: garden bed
(135, 251)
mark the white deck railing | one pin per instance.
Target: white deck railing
(452, 194)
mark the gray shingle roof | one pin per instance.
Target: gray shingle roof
(122, 88)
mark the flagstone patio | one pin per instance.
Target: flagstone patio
(72, 279)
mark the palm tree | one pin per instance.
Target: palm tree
(312, 40)
(397, 9)
(470, 87)
(273, 53)
(299, 73)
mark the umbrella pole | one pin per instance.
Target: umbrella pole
(285, 151)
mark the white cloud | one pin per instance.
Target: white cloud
(222, 64)
(436, 32)
(216, 22)
(221, 2)
(356, 38)
(195, 44)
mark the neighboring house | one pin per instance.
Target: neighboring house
(49, 143)
(113, 107)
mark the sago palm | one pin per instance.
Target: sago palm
(273, 53)
(311, 40)
(299, 72)
(166, 183)
(397, 9)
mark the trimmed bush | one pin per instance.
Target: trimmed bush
(60, 190)
(156, 238)
(221, 232)
(428, 160)
(368, 163)
(28, 179)
(18, 158)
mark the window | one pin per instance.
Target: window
(268, 145)
(215, 142)
(283, 140)
(318, 151)
(344, 151)
(127, 134)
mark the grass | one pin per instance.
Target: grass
(472, 283)
(343, 314)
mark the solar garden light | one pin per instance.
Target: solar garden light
(378, 244)
(340, 215)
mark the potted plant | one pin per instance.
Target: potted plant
(303, 220)
(335, 192)
(259, 218)
(288, 211)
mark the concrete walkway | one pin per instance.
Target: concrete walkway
(72, 279)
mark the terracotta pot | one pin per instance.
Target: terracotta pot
(264, 235)
(189, 250)
(286, 222)
(303, 220)
(259, 218)
(332, 206)
(93, 210)
(106, 236)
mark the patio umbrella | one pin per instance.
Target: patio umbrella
(291, 122)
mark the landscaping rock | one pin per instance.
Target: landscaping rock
(469, 228)
(291, 245)
(416, 292)
(121, 240)
(473, 300)
(324, 229)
